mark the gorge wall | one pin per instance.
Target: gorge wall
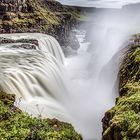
(45, 16)
(122, 122)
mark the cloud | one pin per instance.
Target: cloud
(99, 3)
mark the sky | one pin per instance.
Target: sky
(99, 3)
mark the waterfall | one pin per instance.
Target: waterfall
(35, 74)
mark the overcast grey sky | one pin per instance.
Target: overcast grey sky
(99, 3)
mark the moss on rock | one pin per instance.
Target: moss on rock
(122, 122)
(16, 125)
(37, 16)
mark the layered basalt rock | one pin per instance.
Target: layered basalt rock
(45, 16)
(122, 122)
(13, 6)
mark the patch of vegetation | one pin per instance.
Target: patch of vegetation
(16, 125)
(122, 122)
(124, 119)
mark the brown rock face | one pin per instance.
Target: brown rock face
(13, 6)
(45, 16)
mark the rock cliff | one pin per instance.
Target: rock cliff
(122, 122)
(45, 16)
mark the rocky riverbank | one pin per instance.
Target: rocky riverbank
(45, 16)
(122, 122)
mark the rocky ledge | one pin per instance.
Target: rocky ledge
(16, 125)
(122, 122)
(44, 16)
(7, 41)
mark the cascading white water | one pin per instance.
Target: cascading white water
(46, 43)
(38, 75)
(27, 69)
(35, 74)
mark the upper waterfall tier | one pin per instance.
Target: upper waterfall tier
(46, 43)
